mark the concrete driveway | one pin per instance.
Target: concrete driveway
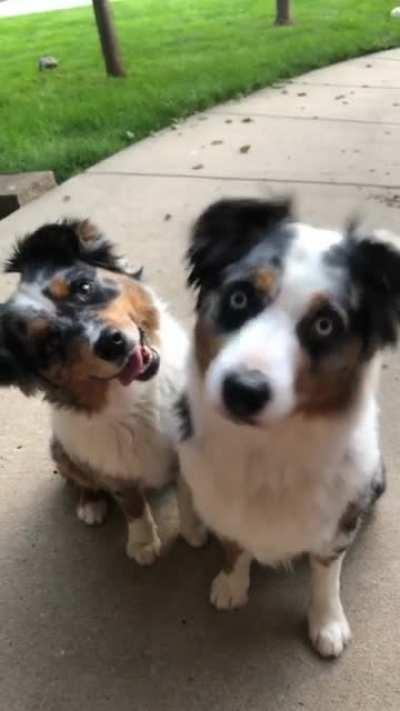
(84, 629)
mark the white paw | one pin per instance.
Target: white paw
(196, 535)
(144, 552)
(92, 513)
(329, 634)
(227, 592)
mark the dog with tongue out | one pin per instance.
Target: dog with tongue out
(83, 330)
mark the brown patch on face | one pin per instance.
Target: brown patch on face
(59, 289)
(133, 305)
(82, 381)
(206, 344)
(330, 385)
(318, 302)
(266, 280)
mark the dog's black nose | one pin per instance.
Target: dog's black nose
(111, 344)
(245, 393)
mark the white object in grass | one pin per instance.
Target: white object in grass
(395, 13)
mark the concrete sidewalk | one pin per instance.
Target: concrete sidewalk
(84, 629)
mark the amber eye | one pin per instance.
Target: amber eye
(323, 326)
(238, 300)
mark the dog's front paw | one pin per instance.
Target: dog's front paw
(196, 535)
(93, 513)
(144, 552)
(329, 633)
(228, 592)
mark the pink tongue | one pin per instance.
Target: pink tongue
(133, 368)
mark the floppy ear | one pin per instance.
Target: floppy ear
(375, 267)
(63, 243)
(9, 372)
(225, 232)
(12, 372)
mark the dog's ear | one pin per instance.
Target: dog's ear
(63, 243)
(225, 231)
(12, 371)
(375, 268)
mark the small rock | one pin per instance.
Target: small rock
(340, 96)
(244, 149)
(302, 93)
(216, 143)
(247, 120)
(167, 217)
(228, 121)
(198, 166)
(47, 62)
(66, 198)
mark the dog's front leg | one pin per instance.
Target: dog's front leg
(93, 503)
(191, 528)
(229, 590)
(328, 626)
(143, 543)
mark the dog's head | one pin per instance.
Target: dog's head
(77, 320)
(288, 315)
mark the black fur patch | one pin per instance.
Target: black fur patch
(58, 245)
(182, 409)
(226, 232)
(228, 318)
(375, 267)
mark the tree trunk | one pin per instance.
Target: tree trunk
(108, 38)
(283, 14)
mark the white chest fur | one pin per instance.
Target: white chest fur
(279, 492)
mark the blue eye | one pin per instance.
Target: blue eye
(238, 300)
(323, 326)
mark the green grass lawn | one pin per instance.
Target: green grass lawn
(180, 56)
